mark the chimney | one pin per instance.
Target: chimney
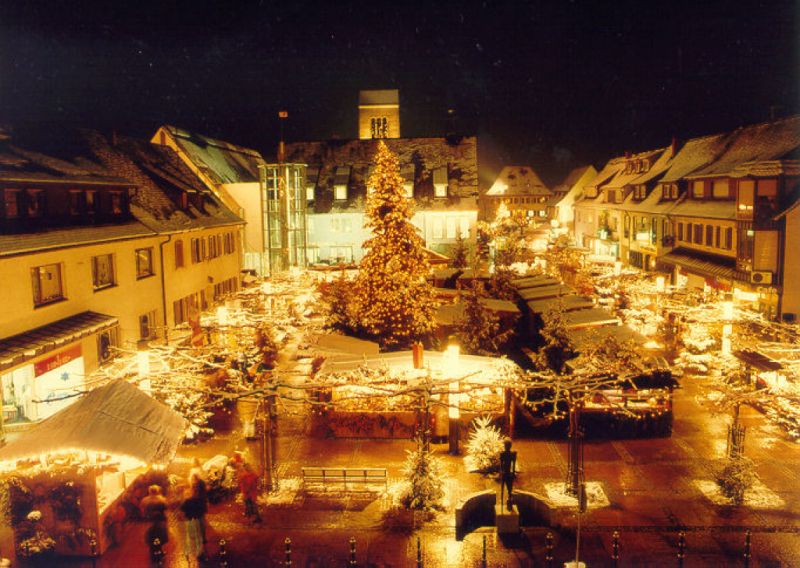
(675, 145)
(627, 154)
(282, 116)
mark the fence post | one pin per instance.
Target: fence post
(747, 553)
(483, 564)
(548, 550)
(419, 553)
(353, 552)
(681, 548)
(615, 548)
(223, 553)
(287, 543)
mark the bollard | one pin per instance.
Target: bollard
(483, 563)
(615, 548)
(353, 551)
(93, 552)
(288, 546)
(681, 548)
(223, 553)
(747, 553)
(419, 553)
(548, 548)
(157, 552)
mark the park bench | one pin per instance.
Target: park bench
(348, 477)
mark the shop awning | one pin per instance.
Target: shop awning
(699, 265)
(116, 418)
(19, 348)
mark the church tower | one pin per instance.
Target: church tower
(379, 114)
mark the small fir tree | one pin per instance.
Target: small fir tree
(558, 346)
(459, 253)
(478, 330)
(424, 486)
(395, 302)
(484, 445)
(338, 304)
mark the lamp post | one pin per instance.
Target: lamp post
(727, 328)
(454, 415)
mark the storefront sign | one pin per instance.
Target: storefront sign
(55, 361)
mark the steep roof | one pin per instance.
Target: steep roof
(624, 178)
(455, 156)
(160, 177)
(518, 181)
(222, 161)
(767, 141)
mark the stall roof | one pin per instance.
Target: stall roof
(545, 292)
(449, 314)
(592, 317)
(534, 282)
(569, 303)
(757, 360)
(116, 418)
(19, 348)
(621, 333)
(404, 361)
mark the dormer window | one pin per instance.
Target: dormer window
(697, 189)
(75, 202)
(35, 202)
(184, 200)
(11, 203)
(116, 202)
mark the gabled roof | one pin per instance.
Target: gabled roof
(768, 141)
(518, 181)
(572, 178)
(623, 179)
(222, 161)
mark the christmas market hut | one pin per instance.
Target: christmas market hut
(66, 475)
(400, 394)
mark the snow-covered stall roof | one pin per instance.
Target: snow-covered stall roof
(545, 292)
(591, 317)
(116, 418)
(449, 314)
(538, 281)
(569, 303)
(621, 333)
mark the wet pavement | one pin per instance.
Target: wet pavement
(649, 483)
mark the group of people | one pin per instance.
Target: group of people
(193, 508)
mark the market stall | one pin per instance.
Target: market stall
(68, 472)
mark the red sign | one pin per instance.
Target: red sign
(56, 361)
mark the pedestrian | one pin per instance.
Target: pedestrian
(200, 493)
(193, 509)
(154, 510)
(248, 485)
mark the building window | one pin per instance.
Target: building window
(309, 193)
(179, 262)
(103, 271)
(379, 127)
(440, 190)
(464, 227)
(697, 189)
(340, 192)
(438, 228)
(709, 236)
(451, 227)
(197, 252)
(230, 243)
(720, 189)
(116, 202)
(746, 196)
(144, 262)
(147, 325)
(688, 232)
(35, 202)
(90, 201)
(698, 234)
(728, 238)
(48, 286)
(75, 198)
(680, 231)
(717, 232)
(11, 203)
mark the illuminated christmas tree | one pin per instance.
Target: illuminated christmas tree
(395, 302)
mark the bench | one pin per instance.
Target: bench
(322, 476)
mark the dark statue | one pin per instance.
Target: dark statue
(508, 471)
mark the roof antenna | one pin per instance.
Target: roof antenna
(282, 116)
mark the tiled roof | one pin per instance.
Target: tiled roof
(60, 238)
(518, 181)
(24, 346)
(760, 142)
(458, 157)
(694, 154)
(622, 179)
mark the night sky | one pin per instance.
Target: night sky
(550, 84)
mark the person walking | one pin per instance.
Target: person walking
(194, 510)
(248, 485)
(154, 509)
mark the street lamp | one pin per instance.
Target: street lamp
(454, 416)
